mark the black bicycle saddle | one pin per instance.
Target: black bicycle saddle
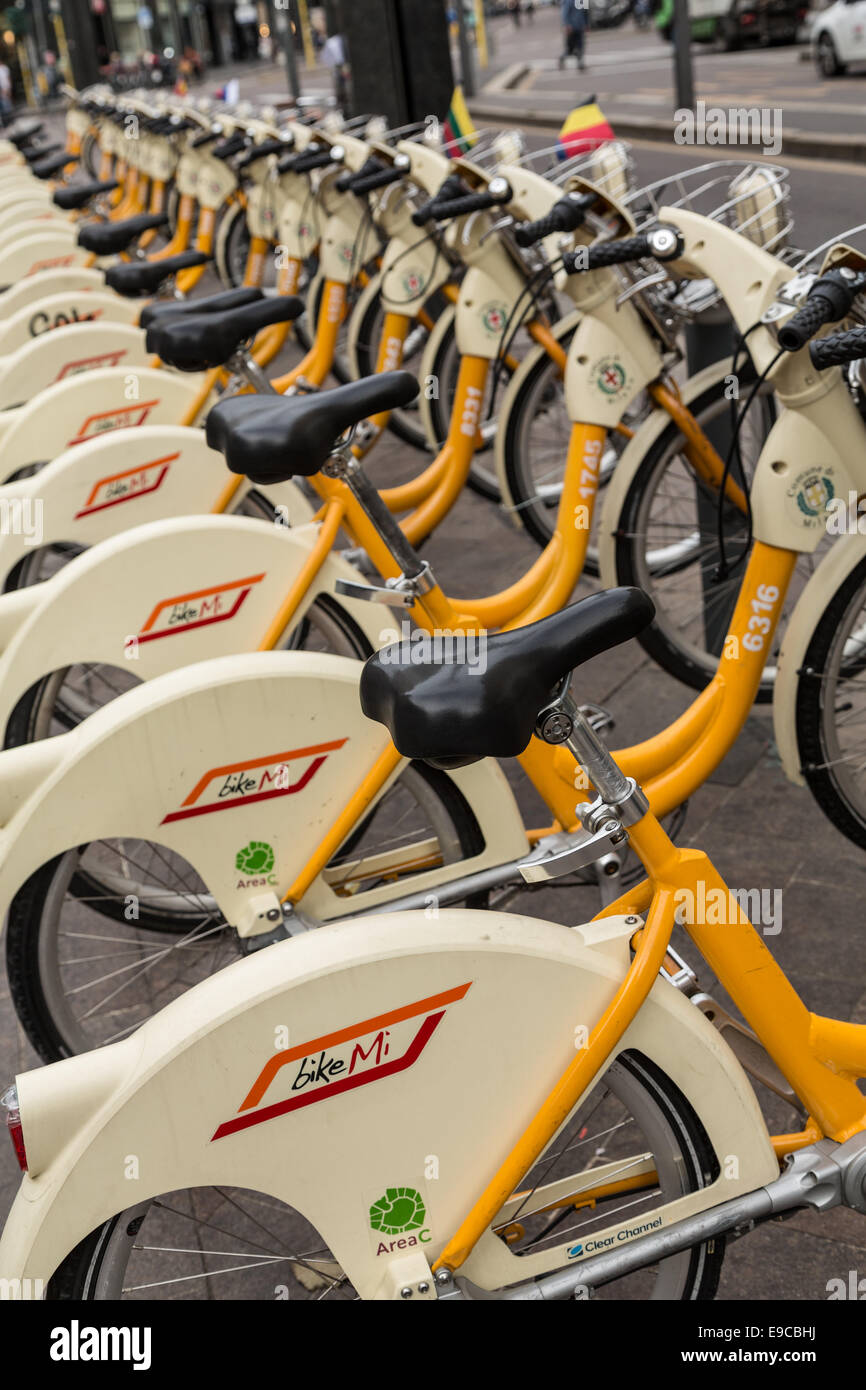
(451, 705)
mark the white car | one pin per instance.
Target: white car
(839, 36)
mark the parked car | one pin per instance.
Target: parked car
(839, 36)
(731, 24)
(607, 14)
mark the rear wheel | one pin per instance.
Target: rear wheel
(666, 542)
(104, 936)
(234, 1243)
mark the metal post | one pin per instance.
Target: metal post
(283, 26)
(466, 66)
(685, 84)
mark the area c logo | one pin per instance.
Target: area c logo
(399, 1211)
(257, 860)
(341, 1061)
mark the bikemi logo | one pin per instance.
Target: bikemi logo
(328, 1066)
(122, 418)
(257, 779)
(126, 486)
(400, 1211)
(217, 604)
(89, 364)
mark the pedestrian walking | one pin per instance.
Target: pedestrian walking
(575, 22)
(5, 93)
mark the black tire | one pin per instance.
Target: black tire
(98, 1268)
(832, 654)
(667, 645)
(30, 963)
(826, 57)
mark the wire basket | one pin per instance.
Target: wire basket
(750, 198)
(609, 166)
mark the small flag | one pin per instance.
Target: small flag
(583, 129)
(459, 134)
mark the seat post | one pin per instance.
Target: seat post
(347, 469)
(562, 721)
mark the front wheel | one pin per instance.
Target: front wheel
(666, 541)
(827, 59)
(831, 709)
(233, 1243)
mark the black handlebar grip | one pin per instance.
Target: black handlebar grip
(838, 349)
(371, 165)
(797, 331)
(233, 145)
(380, 180)
(565, 216)
(262, 151)
(472, 202)
(316, 159)
(453, 187)
(633, 248)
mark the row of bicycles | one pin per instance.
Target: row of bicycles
(303, 1051)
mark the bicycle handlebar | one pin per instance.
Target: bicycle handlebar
(838, 349)
(565, 216)
(829, 300)
(662, 244)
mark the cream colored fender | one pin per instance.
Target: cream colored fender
(561, 330)
(845, 555)
(115, 481)
(650, 429)
(28, 227)
(263, 746)
(162, 596)
(49, 282)
(46, 250)
(82, 407)
(65, 310)
(447, 992)
(54, 357)
(13, 211)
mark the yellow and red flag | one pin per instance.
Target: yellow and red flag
(583, 129)
(458, 132)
